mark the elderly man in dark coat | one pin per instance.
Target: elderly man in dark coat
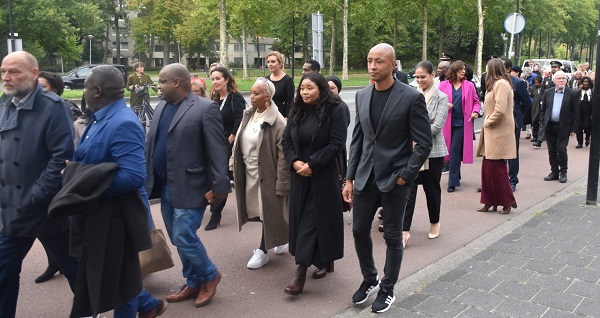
(35, 140)
(114, 135)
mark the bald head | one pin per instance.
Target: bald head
(19, 74)
(442, 69)
(105, 85)
(175, 82)
(387, 50)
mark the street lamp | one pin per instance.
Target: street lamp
(90, 37)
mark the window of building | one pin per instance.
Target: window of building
(237, 47)
(158, 62)
(124, 45)
(158, 48)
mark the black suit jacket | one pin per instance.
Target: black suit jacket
(196, 153)
(388, 150)
(569, 111)
(402, 77)
(547, 82)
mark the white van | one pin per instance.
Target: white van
(568, 66)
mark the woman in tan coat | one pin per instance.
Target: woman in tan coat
(497, 140)
(261, 174)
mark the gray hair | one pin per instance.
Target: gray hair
(266, 85)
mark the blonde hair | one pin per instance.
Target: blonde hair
(278, 56)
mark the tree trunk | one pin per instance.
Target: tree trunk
(518, 50)
(108, 45)
(118, 38)
(223, 33)
(305, 53)
(529, 45)
(442, 36)
(549, 46)
(479, 54)
(332, 49)
(457, 50)
(244, 50)
(167, 50)
(395, 29)
(424, 53)
(345, 53)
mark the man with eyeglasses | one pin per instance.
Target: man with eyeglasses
(559, 112)
(186, 165)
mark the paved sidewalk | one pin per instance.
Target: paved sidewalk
(543, 263)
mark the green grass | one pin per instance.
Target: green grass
(244, 86)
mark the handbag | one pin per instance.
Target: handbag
(158, 257)
(345, 205)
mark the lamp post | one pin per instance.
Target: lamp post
(90, 37)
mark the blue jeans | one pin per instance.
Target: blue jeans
(143, 303)
(182, 225)
(12, 252)
(456, 155)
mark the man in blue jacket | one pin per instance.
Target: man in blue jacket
(36, 137)
(522, 104)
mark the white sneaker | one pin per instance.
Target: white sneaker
(258, 260)
(280, 249)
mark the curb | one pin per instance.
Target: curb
(432, 272)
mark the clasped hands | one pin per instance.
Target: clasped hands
(215, 198)
(302, 168)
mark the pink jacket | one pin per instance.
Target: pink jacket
(470, 104)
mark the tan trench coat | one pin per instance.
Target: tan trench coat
(497, 137)
(274, 175)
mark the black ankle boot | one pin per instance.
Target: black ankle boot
(48, 274)
(214, 222)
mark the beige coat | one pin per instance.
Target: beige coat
(274, 175)
(497, 137)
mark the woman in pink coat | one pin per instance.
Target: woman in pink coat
(463, 108)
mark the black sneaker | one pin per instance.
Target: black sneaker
(383, 302)
(365, 290)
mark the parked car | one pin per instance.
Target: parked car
(568, 66)
(75, 78)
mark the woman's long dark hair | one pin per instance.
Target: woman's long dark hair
(325, 101)
(231, 85)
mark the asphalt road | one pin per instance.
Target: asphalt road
(259, 293)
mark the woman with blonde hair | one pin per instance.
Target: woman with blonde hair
(284, 84)
(497, 141)
(262, 191)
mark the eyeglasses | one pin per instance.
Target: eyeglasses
(160, 81)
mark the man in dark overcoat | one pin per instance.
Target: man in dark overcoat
(36, 137)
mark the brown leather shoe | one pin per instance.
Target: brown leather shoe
(296, 286)
(185, 293)
(321, 272)
(157, 311)
(207, 291)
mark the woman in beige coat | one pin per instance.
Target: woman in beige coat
(261, 174)
(497, 140)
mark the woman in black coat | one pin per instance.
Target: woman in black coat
(232, 106)
(312, 140)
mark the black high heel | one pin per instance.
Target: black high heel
(214, 222)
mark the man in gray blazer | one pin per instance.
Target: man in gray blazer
(560, 115)
(390, 142)
(186, 165)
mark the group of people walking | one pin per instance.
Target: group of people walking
(284, 154)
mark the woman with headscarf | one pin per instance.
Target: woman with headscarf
(262, 191)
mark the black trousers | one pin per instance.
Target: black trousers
(366, 203)
(557, 148)
(430, 179)
(585, 126)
